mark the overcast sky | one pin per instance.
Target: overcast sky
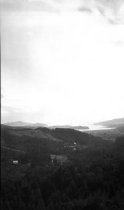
(62, 60)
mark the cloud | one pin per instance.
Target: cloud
(111, 10)
(85, 9)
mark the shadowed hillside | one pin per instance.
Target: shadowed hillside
(60, 169)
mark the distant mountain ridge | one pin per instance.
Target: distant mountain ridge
(112, 123)
(36, 125)
(25, 124)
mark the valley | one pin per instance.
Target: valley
(59, 166)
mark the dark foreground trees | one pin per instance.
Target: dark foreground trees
(93, 180)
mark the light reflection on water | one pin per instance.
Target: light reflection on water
(95, 127)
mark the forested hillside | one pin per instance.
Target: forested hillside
(60, 169)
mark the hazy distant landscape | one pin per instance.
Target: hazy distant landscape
(109, 130)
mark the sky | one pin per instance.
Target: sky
(62, 61)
